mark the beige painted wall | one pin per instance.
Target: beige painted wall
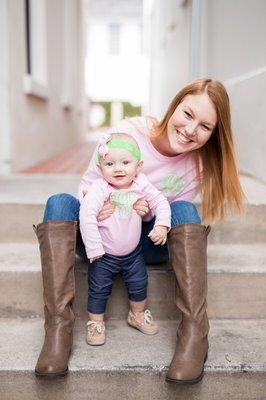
(41, 128)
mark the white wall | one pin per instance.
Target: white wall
(232, 50)
(235, 53)
(40, 128)
(170, 51)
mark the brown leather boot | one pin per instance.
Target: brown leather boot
(57, 240)
(187, 249)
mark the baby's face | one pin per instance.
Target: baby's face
(119, 168)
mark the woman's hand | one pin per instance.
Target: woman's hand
(141, 206)
(106, 211)
(158, 235)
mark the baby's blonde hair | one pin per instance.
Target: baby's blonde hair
(121, 136)
(126, 136)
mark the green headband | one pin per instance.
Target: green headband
(120, 144)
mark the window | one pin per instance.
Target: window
(35, 81)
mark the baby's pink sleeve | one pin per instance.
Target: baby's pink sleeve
(89, 210)
(158, 204)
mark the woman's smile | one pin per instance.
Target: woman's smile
(182, 138)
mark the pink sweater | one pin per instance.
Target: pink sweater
(176, 177)
(120, 233)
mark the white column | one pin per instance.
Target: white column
(116, 112)
(5, 119)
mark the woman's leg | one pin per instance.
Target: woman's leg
(187, 244)
(57, 241)
(62, 207)
(182, 212)
(65, 207)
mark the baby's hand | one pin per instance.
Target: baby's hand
(141, 206)
(95, 258)
(158, 235)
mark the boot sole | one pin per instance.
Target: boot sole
(51, 375)
(188, 382)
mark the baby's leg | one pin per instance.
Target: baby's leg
(100, 281)
(138, 307)
(96, 317)
(135, 276)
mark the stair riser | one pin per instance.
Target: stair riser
(131, 385)
(19, 219)
(230, 295)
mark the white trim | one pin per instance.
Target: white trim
(245, 77)
(69, 56)
(34, 88)
(38, 40)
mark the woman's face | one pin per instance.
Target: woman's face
(191, 124)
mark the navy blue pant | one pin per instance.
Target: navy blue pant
(103, 272)
(64, 207)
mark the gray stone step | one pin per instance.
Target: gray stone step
(18, 220)
(131, 385)
(22, 199)
(131, 365)
(237, 281)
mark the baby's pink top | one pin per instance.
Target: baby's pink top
(120, 233)
(176, 177)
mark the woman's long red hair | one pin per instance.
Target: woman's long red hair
(220, 187)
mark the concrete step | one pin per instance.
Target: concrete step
(22, 199)
(131, 385)
(237, 281)
(18, 220)
(235, 367)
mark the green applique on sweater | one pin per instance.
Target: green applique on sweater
(171, 185)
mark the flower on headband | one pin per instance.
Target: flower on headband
(103, 149)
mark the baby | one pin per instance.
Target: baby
(112, 245)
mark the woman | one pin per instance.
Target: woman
(190, 150)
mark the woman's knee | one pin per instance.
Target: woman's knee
(183, 212)
(63, 207)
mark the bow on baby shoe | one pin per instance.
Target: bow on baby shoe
(103, 150)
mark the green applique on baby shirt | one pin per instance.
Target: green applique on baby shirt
(123, 200)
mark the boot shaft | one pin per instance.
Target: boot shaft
(57, 242)
(187, 248)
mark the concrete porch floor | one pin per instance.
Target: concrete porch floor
(72, 161)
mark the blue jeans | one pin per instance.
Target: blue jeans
(64, 207)
(103, 272)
